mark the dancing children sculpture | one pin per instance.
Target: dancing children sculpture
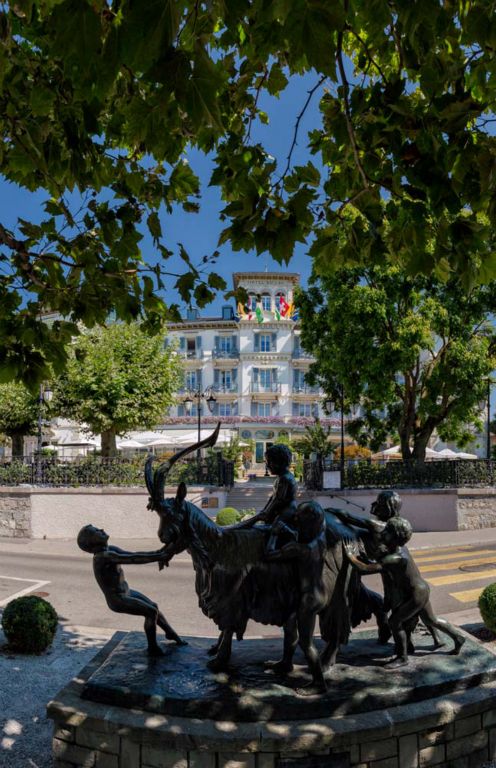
(406, 592)
(107, 561)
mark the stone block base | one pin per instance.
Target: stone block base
(457, 730)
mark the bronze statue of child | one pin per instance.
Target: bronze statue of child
(387, 505)
(107, 562)
(406, 592)
(281, 506)
(307, 548)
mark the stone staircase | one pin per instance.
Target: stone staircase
(255, 495)
(249, 496)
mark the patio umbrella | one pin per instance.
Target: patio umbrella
(165, 440)
(126, 444)
(447, 453)
(389, 453)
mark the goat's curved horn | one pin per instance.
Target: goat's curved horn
(163, 469)
(149, 473)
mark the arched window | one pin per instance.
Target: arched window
(266, 302)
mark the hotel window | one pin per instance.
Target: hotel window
(265, 339)
(264, 409)
(226, 409)
(304, 409)
(266, 302)
(193, 379)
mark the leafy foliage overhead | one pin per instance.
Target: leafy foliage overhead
(414, 353)
(100, 100)
(117, 379)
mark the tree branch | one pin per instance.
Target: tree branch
(347, 111)
(297, 125)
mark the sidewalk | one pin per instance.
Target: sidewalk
(68, 547)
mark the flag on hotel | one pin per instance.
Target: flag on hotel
(259, 315)
(283, 306)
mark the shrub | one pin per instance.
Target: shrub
(29, 624)
(487, 606)
(228, 516)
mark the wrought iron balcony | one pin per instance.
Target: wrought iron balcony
(192, 354)
(225, 388)
(305, 389)
(225, 354)
(258, 387)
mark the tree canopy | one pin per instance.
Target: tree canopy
(101, 100)
(18, 414)
(117, 379)
(412, 352)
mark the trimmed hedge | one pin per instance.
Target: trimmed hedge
(487, 606)
(29, 624)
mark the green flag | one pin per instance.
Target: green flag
(259, 314)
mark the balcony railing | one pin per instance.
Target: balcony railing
(305, 389)
(225, 354)
(191, 354)
(225, 388)
(258, 387)
(299, 354)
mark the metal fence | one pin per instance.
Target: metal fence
(459, 473)
(97, 470)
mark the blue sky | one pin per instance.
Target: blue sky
(199, 232)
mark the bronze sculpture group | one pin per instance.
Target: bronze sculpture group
(292, 565)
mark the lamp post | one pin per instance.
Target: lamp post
(198, 395)
(488, 422)
(329, 407)
(45, 396)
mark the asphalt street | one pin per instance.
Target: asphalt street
(61, 572)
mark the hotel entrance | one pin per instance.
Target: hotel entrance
(260, 448)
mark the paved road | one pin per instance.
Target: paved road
(456, 574)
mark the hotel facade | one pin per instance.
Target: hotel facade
(252, 362)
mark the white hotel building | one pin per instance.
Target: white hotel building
(255, 370)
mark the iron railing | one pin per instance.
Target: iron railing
(459, 473)
(97, 471)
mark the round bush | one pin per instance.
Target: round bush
(487, 606)
(29, 624)
(227, 516)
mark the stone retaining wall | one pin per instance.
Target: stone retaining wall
(476, 508)
(15, 514)
(457, 731)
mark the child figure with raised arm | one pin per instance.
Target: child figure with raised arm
(406, 593)
(107, 561)
(281, 506)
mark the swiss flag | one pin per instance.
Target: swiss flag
(283, 306)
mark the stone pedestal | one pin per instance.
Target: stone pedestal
(127, 711)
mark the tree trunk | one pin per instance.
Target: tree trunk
(17, 446)
(420, 443)
(108, 443)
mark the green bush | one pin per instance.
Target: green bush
(487, 606)
(29, 624)
(228, 516)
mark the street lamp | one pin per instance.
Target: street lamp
(45, 396)
(198, 395)
(329, 407)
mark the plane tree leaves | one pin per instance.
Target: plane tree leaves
(413, 353)
(102, 100)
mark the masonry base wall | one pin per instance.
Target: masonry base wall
(458, 731)
(59, 513)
